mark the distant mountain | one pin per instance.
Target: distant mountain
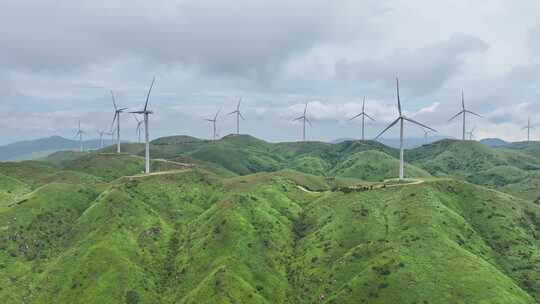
(494, 142)
(409, 143)
(34, 149)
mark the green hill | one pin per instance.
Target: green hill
(61, 158)
(10, 190)
(506, 168)
(195, 237)
(374, 166)
(41, 147)
(477, 163)
(32, 173)
(531, 148)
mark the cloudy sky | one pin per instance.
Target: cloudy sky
(59, 59)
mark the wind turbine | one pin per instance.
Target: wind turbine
(426, 135)
(80, 133)
(463, 112)
(471, 133)
(401, 119)
(214, 121)
(529, 128)
(238, 116)
(139, 124)
(146, 112)
(363, 114)
(304, 120)
(101, 133)
(116, 119)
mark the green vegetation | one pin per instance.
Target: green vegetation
(235, 221)
(497, 168)
(194, 237)
(374, 166)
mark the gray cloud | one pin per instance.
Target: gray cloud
(59, 58)
(425, 69)
(250, 39)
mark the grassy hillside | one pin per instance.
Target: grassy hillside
(10, 190)
(513, 168)
(374, 166)
(61, 158)
(531, 148)
(479, 164)
(280, 237)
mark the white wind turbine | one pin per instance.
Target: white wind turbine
(214, 121)
(363, 114)
(529, 128)
(116, 119)
(426, 135)
(238, 116)
(304, 120)
(101, 133)
(463, 112)
(401, 119)
(139, 125)
(80, 133)
(471, 133)
(145, 112)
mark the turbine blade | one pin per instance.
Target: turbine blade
(389, 126)
(308, 121)
(459, 113)
(369, 116)
(298, 118)
(398, 101)
(363, 104)
(113, 101)
(357, 115)
(462, 100)
(233, 112)
(420, 124)
(217, 113)
(305, 109)
(241, 116)
(114, 119)
(473, 113)
(238, 105)
(148, 95)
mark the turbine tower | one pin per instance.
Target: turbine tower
(145, 112)
(138, 131)
(463, 112)
(363, 115)
(116, 119)
(101, 133)
(529, 128)
(471, 133)
(80, 133)
(238, 116)
(214, 121)
(426, 135)
(304, 120)
(401, 119)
